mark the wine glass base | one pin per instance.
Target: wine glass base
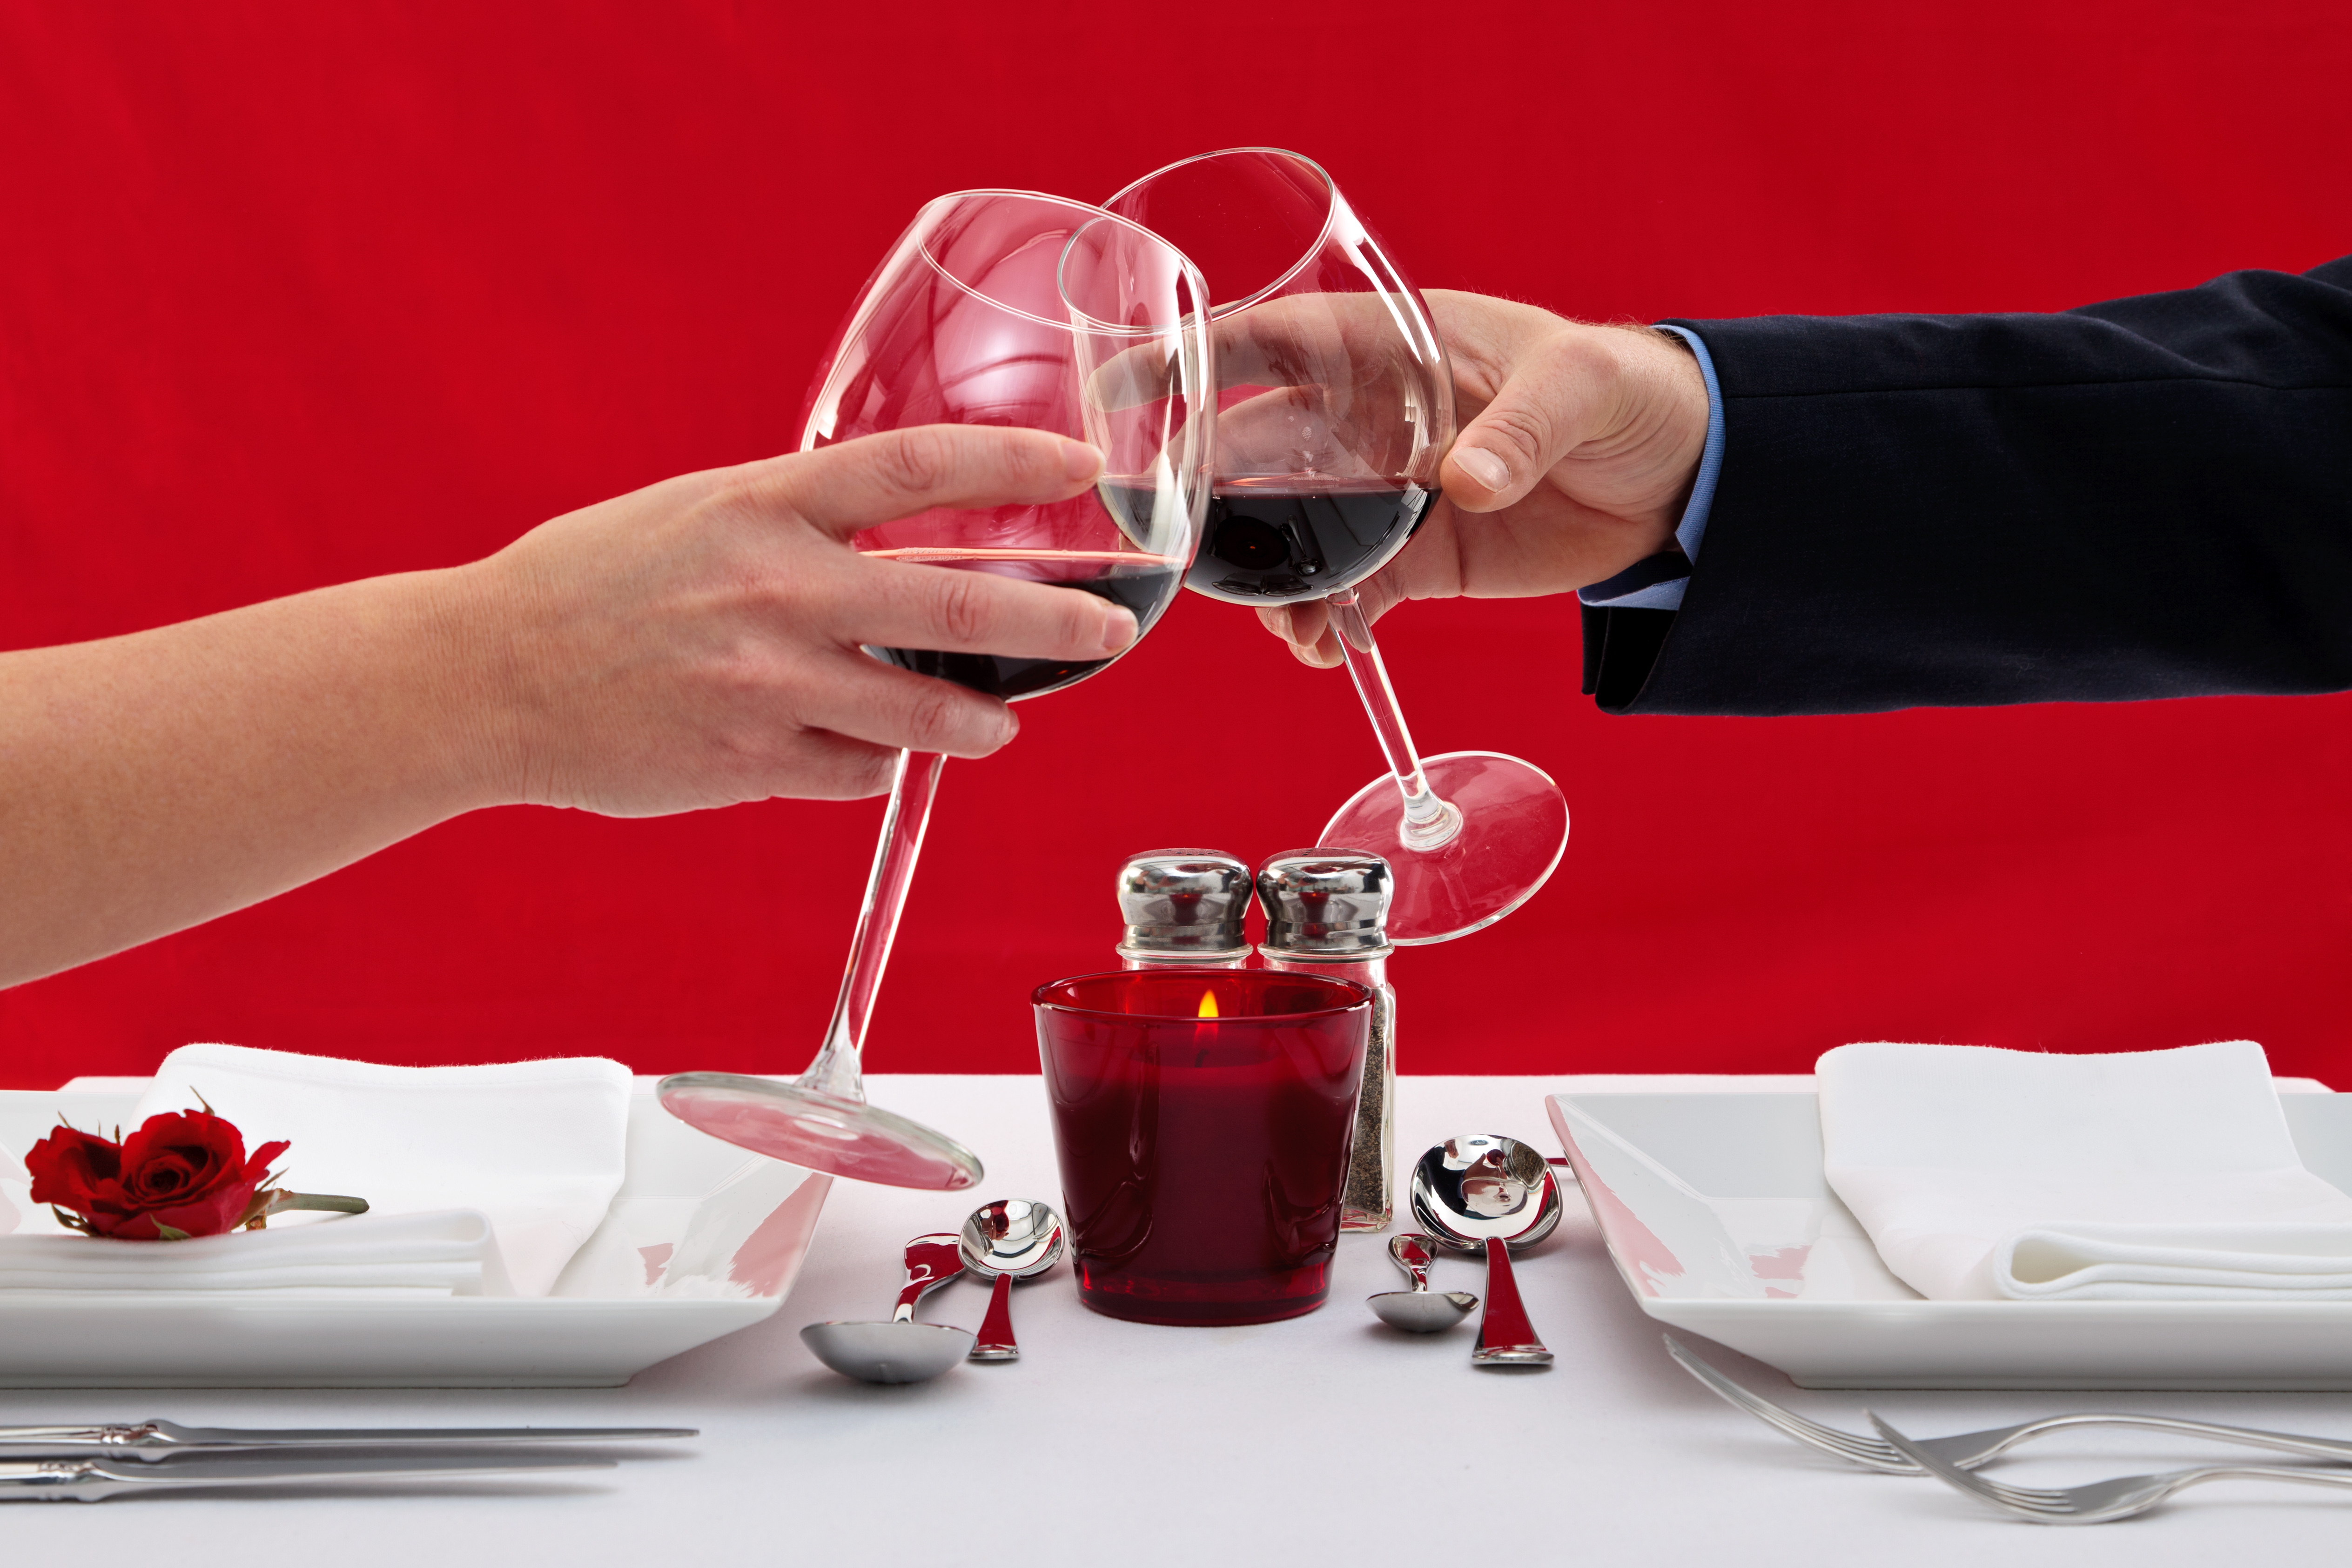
(819, 1131)
(1513, 830)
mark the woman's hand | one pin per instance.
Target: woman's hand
(694, 644)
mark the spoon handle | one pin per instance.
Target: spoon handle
(1505, 1338)
(931, 1261)
(1410, 1251)
(996, 1329)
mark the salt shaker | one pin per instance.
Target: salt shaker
(1325, 911)
(1184, 907)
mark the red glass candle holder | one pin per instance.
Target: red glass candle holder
(1202, 1119)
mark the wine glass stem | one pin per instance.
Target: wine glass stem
(835, 1070)
(1429, 822)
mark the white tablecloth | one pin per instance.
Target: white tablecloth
(1323, 1440)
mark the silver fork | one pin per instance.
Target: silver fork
(2100, 1500)
(1967, 1451)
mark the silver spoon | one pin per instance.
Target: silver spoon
(1496, 1193)
(1011, 1238)
(1420, 1310)
(902, 1350)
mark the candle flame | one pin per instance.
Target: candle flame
(1208, 1005)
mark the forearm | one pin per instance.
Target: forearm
(153, 781)
(2142, 500)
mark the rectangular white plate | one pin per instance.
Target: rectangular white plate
(703, 1239)
(1717, 1214)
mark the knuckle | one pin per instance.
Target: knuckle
(962, 606)
(1522, 427)
(1077, 620)
(918, 461)
(935, 717)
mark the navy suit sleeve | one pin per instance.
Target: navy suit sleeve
(2150, 498)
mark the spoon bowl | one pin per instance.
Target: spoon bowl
(1487, 1191)
(1418, 1310)
(1011, 1238)
(1422, 1311)
(887, 1352)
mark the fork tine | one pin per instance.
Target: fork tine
(1849, 1446)
(2026, 1502)
(1786, 1420)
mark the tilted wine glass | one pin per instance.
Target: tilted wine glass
(995, 307)
(1338, 409)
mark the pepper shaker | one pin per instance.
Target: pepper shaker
(1184, 907)
(1325, 914)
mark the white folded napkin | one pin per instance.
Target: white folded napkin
(537, 1146)
(2152, 1175)
(449, 1253)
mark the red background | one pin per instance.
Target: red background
(293, 294)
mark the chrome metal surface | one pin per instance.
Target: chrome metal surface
(1967, 1451)
(1011, 1238)
(160, 1439)
(91, 1480)
(1183, 905)
(931, 1261)
(1418, 1310)
(2099, 1501)
(887, 1352)
(1327, 912)
(901, 1350)
(1485, 1190)
(1324, 903)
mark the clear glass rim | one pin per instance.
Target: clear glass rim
(1362, 994)
(1093, 215)
(1332, 200)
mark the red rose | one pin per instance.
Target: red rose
(185, 1171)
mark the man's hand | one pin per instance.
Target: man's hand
(1577, 448)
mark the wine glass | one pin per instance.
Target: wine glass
(1337, 409)
(995, 307)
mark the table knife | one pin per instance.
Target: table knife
(160, 1439)
(96, 1480)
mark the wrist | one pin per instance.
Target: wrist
(470, 655)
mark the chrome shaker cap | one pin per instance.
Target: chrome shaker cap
(1325, 904)
(1183, 905)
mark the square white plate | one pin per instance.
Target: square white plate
(1716, 1216)
(701, 1241)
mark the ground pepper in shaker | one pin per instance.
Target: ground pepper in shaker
(1325, 914)
(1184, 907)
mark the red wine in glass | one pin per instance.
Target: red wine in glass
(1270, 540)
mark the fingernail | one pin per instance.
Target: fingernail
(1119, 629)
(1484, 466)
(1080, 461)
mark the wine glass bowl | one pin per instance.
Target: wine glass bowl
(1336, 405)
(995, 307)
(1336, 410)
